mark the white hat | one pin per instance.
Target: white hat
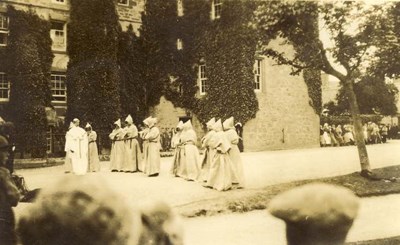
(2, 120)
(180, 125)
(217, 126)
(228, 123)
(118, 122)
(129, 119)
(147, 121)
(88, 125)
(76, 120)
(187, 125)
(152, 121)
(71, 125)
(210, 123)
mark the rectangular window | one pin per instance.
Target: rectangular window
(58, 35)
(3, 29)
(58, 88)
(4, 87)
(179, 44)
(257, 75)
(49, 141)
(203, 79)
(123, 2)
(180, 7)
(216, 9)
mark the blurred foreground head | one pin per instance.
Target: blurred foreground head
(161, 225)
(316, 214)
(79, 210)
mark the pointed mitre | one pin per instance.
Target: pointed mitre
(210, 123)
(188, 124)
(152, 121)
(180, 125)
(147, 121)
(129, 119)
(217, 126)
(71, 125)
(88, 125)
(228, 124)
(118, 122)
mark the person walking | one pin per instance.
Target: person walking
(77, 145)
(208, 151)
(152, 149)
(179, 150)
(67, 162)
(9, 197)
(234, 153)
(132, 148)
(117, 147)
(220, 175)
(190, 170)
(93, 153)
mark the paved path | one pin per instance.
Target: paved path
(261, 169)
(378, 218)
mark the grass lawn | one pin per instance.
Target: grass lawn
(244, 200)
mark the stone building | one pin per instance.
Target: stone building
(285, 118)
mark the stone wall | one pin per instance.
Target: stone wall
(285, 118)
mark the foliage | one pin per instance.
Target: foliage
(159, 41)
(230, 79)
(191, 28)
(29, 59)
(373, 96)
(386, 36)
(132, 86)
(93, 74)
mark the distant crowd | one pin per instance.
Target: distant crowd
(332, 135)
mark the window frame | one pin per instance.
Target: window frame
(179, 44)
(257, 70)
(179, 6)
(123, 4)
(53, 88)
(3, 77)
(202, 80)
(53, 34)
(4, 30)
(216, 8)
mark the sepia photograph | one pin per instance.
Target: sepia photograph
(199, 122)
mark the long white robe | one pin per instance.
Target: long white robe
(151, 151)
(234, 154)
(189, 168)
(93, 152)
(117, 149)
(133, 156)
(77, 148)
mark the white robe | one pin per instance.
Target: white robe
(77, 148)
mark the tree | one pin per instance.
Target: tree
(374, 96)
(29, 59)
(132, 85)
(93, 73)
(229, 57)
(349, 28)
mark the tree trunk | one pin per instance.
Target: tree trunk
(358, 130)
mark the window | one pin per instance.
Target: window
(257, 75)
(202, 79)
(180, 7)
(4, 87)
(49, 141)
(216, 9)
(58, 35)
(58, 88)
(179, 44)
(3, 29)
(123, 2)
